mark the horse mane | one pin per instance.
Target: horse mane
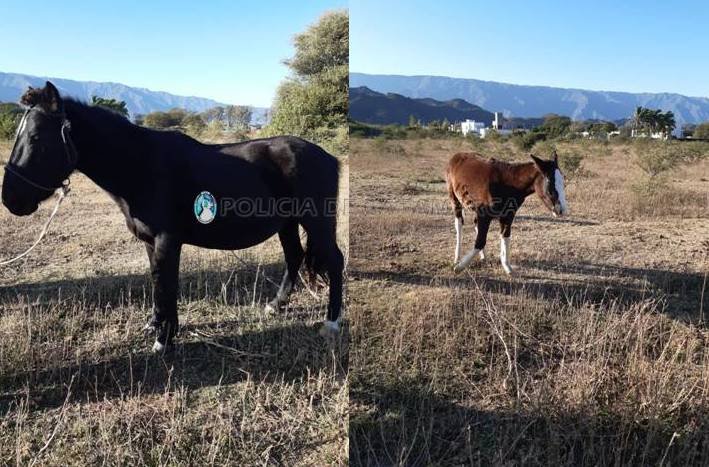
(97, 113)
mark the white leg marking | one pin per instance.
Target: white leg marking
(158, 347)
(458, 237)
(482, 255)
(467, 259)
(504, 254)
(559, 185)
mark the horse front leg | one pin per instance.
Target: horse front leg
(293, 252)
(164, 256)
(483, 224)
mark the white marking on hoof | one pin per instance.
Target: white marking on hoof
(482, 255)
(269, 309)
(158, 347)
(467, 259)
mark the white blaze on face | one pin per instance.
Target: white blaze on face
(559, 185)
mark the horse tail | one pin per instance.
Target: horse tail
(322, 229)
(455, 202)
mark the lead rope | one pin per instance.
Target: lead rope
(62, 194)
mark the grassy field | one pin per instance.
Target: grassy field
(78, 384)
(593, 352)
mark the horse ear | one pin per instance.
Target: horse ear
(555, 157)
(56, 104)
(538, 161)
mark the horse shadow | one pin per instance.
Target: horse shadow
(557, 220)
(258, 349)
(681, 293)
(402, 421)
(279, 354)
(252, 283)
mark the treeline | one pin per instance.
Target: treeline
(234, 119)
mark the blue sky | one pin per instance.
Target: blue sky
(636, 46)
(230, 51)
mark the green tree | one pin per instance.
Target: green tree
(9, 118)
(701, 131)
(193, 124)
(117, 106)
(313, 101)
(555, 126)
(238, 117)
(157, 120)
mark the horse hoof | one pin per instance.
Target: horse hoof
(158, 347)
(150, 329)
(457, 268)
(270, 308)
(330, 329)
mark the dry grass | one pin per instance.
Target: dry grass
(79, 386)
(594, 352)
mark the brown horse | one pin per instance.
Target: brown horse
(494, 189)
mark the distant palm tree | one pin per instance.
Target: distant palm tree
(651, 121)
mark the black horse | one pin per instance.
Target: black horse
(174, 190)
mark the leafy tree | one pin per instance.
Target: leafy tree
(117, 106)
(313, 102)
(158, 120)
(193, 124)
(9, 118)
(646, 120)
(701, 131)
(556, 126)
(322, 46)
(215, 113)
(238, 117)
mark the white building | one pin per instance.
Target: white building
(471, 126)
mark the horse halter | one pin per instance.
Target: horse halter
(69, 149)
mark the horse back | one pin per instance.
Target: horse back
(469, 177)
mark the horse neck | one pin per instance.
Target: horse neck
(106, 147)
(522, 177)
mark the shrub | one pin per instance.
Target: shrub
(8, 126)
(525, 141)
(570, 163)
(654, 157)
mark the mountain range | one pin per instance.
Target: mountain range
(138, 100)
(515, 100)
(373, 107)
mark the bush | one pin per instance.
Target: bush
(525, 141)
(570, 163)
(654, 157)
(8, 126)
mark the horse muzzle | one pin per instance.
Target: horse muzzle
(18, 208)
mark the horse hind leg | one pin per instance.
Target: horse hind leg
(458, 213)
(322, 255)
(294, 254)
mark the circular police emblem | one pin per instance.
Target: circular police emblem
(205, 207)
